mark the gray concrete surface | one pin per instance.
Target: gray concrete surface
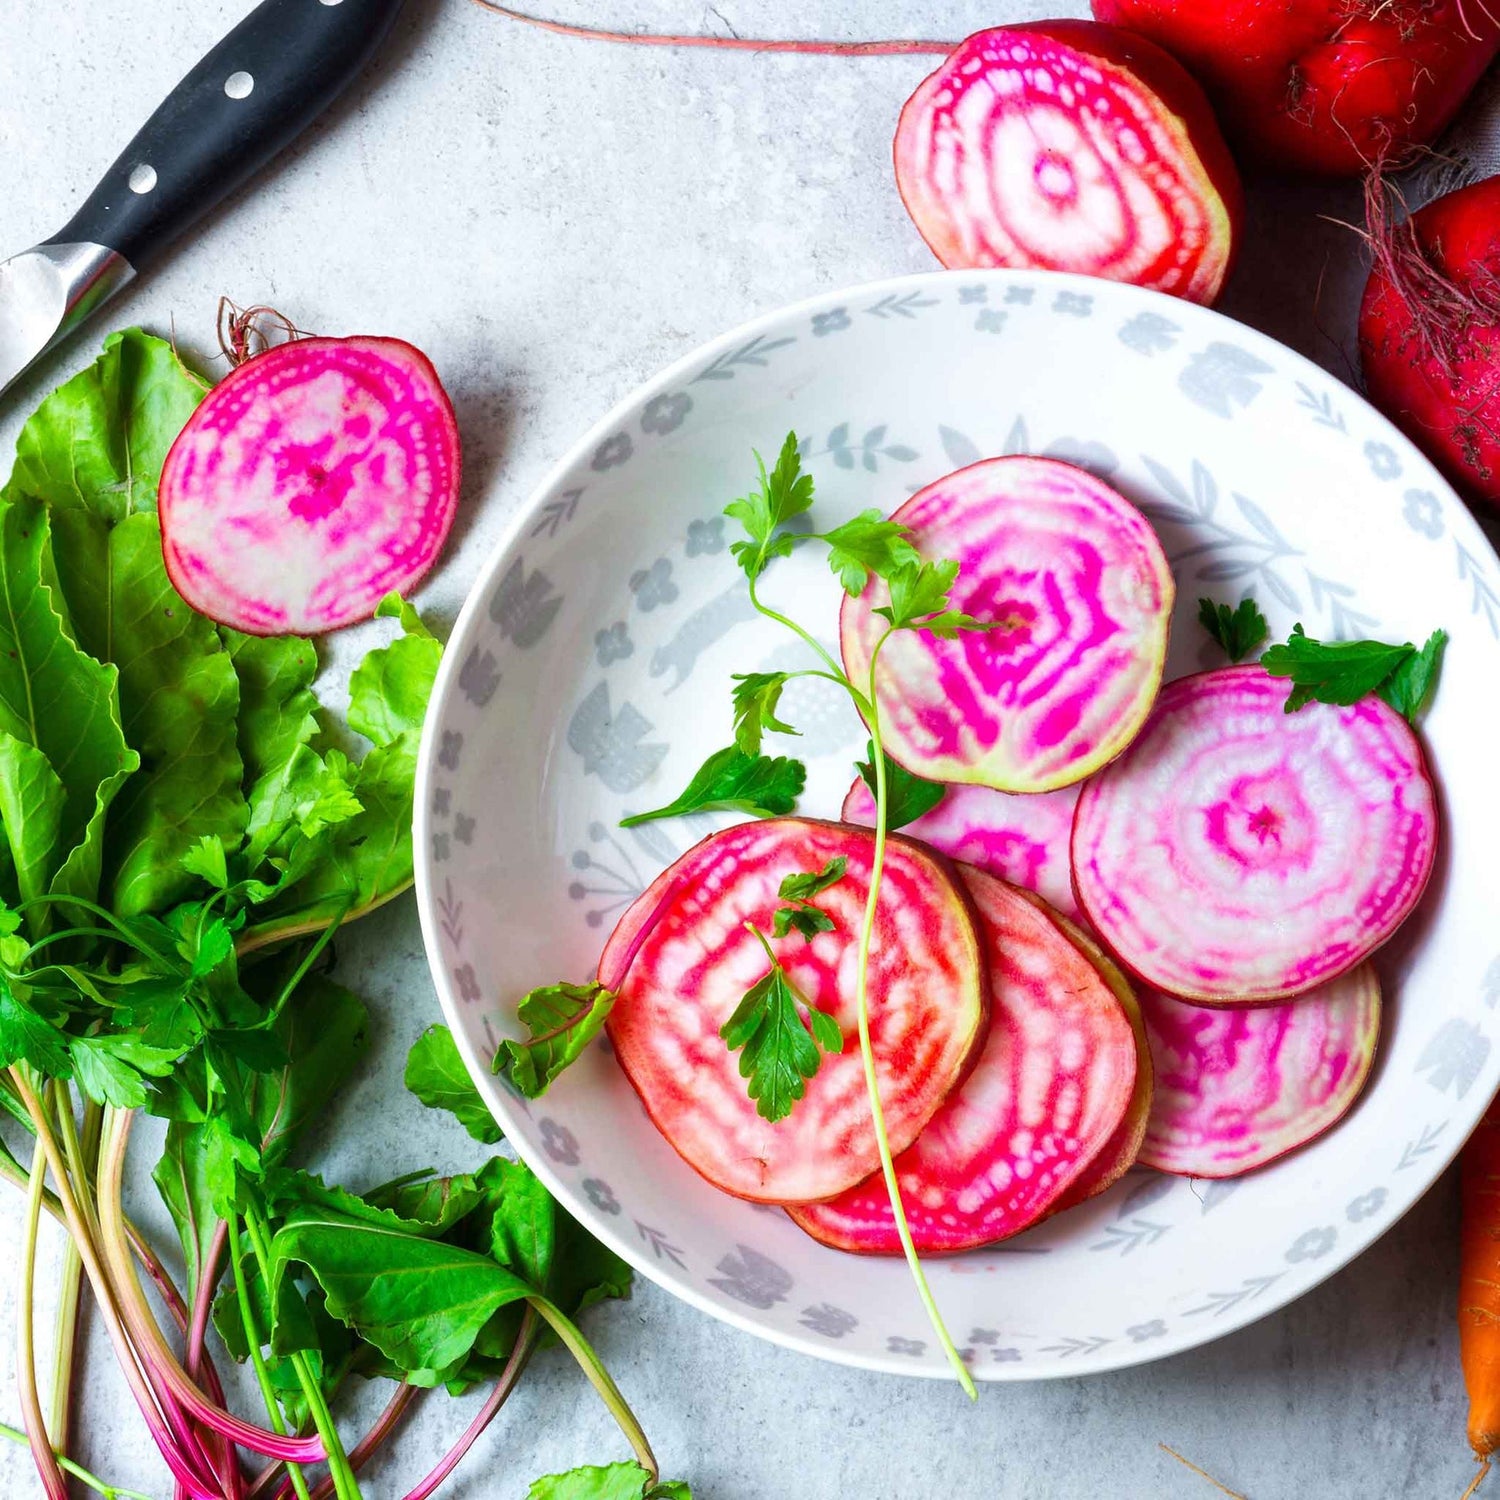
(551, 222)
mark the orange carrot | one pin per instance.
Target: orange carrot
(1479, 1283)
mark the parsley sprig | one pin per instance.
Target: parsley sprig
(920, 592)
(799, 889)
(1336, 672)
(1343, 672)
(1239, 630)
(781, 1037)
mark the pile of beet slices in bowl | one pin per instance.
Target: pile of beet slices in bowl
(1133, 928)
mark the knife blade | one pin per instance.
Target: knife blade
(245, 100)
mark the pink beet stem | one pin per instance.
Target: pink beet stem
(897, 47)
(519, 1354)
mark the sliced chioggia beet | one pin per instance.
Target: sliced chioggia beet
(1123, 1148)
(1237, 853)
(688, 959)
(1050, 1088)
(1022, 839)
(1071, 146)
(1237, 1088)
(1074, 580)
(316, 478)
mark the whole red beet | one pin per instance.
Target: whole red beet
(1429, 333)
(1328, 86)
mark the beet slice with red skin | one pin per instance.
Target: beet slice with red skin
(1237, 853)
(314, 479)
(1122, 1150)
(683, 966)
(1071, 146)
(1429, 333)
(1022, 839)
(1051, 1085)
(1079, 580)
(1239, 1088)
(1326, 86)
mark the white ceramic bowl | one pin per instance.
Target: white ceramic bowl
(589, 673)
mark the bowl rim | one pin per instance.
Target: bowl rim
(489, 573)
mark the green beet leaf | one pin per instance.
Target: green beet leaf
(32, 804)
(323, 1032)
(562, 1020)
(58, 700)
(436, 1203)
(98, 442)
(622, 1481)
(181, 1177)
(389, 689)
(421, 1302)
(357, 864)
(93, 454)
(179, 700)
(435, 1073)
(278, 709)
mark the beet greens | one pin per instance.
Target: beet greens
(185, 833)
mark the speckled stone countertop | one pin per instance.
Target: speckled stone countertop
(552, 222)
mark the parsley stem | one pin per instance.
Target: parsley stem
(600, 1378)
(835, 670)
(257, 1357)
(47, 1468)
(125, 933)
(867, 1050)
(309, 959)
(109, 1491)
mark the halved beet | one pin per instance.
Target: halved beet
(1074, 575)
(1237, 853)
(1050, 1088)
(313, 480)
(1022, 839)
(1071, 146)
(686, 960)
(1123, 1148)
(1238, 1088)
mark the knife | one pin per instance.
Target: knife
(258, 89)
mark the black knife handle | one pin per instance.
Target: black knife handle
(257, 90)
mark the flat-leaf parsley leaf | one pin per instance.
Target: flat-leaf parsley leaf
(1343, 672)
(1239, 631)
(732, 781)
